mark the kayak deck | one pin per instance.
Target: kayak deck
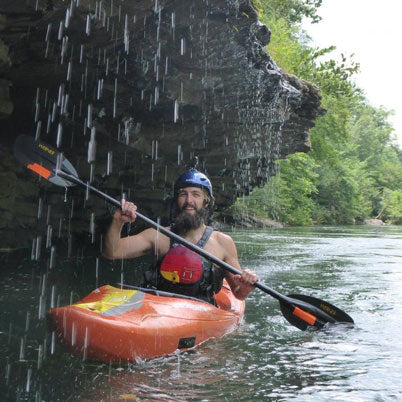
(113, 324)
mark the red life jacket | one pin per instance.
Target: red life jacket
(185, 272)
(181, 265)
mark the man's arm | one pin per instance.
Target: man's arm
(241, 285)
(116, 247)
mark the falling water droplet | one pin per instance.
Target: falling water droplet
(92, 146)
(49, 236)
(67, 19)
(92, 227)
(109, 163)
(173, 21)
(8, 371)
(60, 95)
(40, 356)
(33, 249)
(53, 297)
(47, 50)
(52, 257)
(81, 53)
(115, 98)
(176, 111)
(27, 321)
(22, 349)
(178, 364)
(88, 25)
(54, 111)
(100, 88)
(126, 132)
(38, 130)
(166, 65)
(60, 33)
(28, 384)
(126, 35)
(178, 154)
(49, 122)
(89, 116)
(73, 333)
(38, 247)
(59, 135)
(53, 343)
(156, 97)
(86, 341)
(59, 161)
(37, 110)
(69, 68)
(40, 207)
(65, 105)
(49, 27)
(97, 273)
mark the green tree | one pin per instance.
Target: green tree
(354, 169)
(292, 10)
(287, 196)
(392, 206)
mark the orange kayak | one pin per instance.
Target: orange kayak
(113, 324)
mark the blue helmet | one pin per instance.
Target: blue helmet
(193, 178)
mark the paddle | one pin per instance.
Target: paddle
(301, 311)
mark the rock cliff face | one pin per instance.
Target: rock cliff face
(131, 91)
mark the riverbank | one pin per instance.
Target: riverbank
(250, 221)
(245, 220)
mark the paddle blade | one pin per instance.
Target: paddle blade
(310, 312)
(42, 159)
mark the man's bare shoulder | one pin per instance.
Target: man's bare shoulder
(152, 233)
(222, 239)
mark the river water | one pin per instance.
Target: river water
(358, 269)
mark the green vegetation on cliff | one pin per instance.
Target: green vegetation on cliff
(354, 170)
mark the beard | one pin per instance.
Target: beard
(185, 221)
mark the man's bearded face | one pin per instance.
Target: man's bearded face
(186, 221)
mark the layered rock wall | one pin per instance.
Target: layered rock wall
(131, 91)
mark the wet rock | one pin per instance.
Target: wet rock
(6, 106)
(152, 84)
(246, 221)
(373, 222)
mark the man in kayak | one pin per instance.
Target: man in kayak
(178, 269)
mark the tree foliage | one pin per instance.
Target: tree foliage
(354, 170)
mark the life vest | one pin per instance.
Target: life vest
(185, 272)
